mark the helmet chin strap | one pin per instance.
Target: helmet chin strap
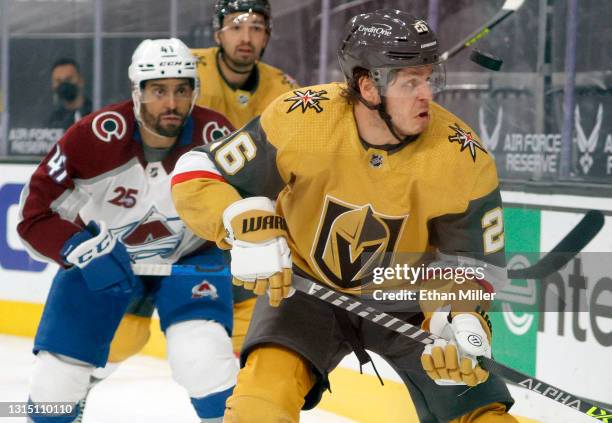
(140, 120)
(381, 108)
(151, 131)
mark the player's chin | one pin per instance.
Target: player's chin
(169, 130)
(420, 123)
(414, 128)
(244, 59)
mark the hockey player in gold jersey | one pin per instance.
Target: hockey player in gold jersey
(363, 174)
(238, 85)
(234, 80)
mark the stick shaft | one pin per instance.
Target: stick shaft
(507, 9)
(588, 227)
(410, 331)
(353, 305)
(152, 269)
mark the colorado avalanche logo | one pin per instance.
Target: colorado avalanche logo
(151, 236)
(213, 131)
(204, 289)
(307, 100)
(108, 125)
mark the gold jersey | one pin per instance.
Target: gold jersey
(349, 206)
(238, 105)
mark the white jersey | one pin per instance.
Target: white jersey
(97, 171)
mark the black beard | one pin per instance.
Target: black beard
(238, 65)
(155, 124)
(169, 132)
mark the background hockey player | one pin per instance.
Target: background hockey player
(101, 200)
(236, 84)
(377, 168)
(234, 80)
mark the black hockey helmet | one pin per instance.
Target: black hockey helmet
(225, 7)
(384, 40)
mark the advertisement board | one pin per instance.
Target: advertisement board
(558, 330)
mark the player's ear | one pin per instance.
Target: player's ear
(217, 38)
(368, 90)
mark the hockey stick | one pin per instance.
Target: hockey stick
(152, 269)
(508, 8)
(559, 256)
(565, 250)
(353, 305)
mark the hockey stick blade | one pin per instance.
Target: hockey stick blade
(588, 227)
(509, 7)
(536, 385)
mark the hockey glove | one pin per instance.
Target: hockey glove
(452, 359)
(261, 259)
(103, 261)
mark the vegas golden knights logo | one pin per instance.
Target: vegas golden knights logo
(353, 240)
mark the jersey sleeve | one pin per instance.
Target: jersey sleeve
(208, 179)
(472, 242)
(476, 234)
(49, 204)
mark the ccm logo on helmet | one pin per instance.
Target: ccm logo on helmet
(175, 63)
(375, 29)
(108, 125)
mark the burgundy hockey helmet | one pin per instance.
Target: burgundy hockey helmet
(384, 40)
(225, 7)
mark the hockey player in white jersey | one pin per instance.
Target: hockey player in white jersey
(99, 202)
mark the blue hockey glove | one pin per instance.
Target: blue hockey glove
(103, 261)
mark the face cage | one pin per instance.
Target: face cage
(383, 77)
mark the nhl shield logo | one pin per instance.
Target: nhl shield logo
(204, 289)
(352, 240)
(376, 160)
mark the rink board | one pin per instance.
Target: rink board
(542, 342)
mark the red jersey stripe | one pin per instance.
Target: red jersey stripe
(195, 174)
